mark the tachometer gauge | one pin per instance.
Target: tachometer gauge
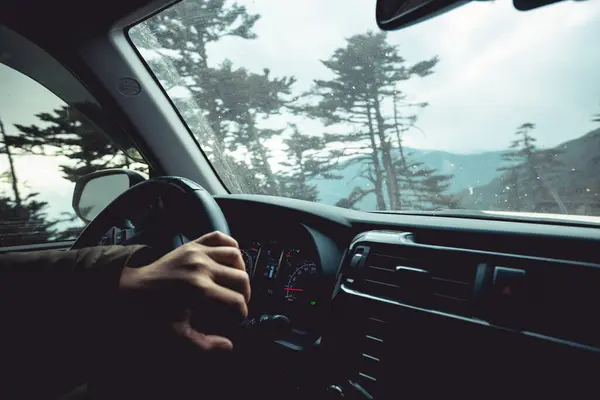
(301, 283)
(250, 255)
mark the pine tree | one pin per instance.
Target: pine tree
(434, 191)
(529, 174)
(232, 101)
(248, 99)
(305, 163)
(67, 135)
(66, 132)
(423, 188)
(22, 218)
(25, 223)
(12, 172)
(186, 36)
(367, 74)
(177, 39)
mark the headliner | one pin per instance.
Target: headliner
(59, 24)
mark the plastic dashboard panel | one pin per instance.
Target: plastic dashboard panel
(426, 351)
(548, 339)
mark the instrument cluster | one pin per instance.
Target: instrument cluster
(285, 279)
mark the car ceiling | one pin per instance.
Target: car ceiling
(59, 25)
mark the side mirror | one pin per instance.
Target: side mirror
(93, 192)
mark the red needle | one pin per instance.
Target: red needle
(290, 289)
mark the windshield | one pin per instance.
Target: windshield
(483, 108)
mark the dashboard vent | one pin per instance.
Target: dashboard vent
(440, 286)
(371, 352)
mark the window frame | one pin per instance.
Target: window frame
(34, 63)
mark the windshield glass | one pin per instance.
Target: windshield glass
(484, 108)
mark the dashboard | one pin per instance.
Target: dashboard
(383, 305)
(387, 304)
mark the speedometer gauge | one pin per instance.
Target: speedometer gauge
(301, 282)
(300, 276)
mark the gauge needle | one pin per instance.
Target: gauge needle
(290, 289)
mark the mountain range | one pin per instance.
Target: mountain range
(468, 170)
(577, 182)
(476, 181)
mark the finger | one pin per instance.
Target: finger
(225, 296)
(203, 341)
(217, 238)
(233, 279)
(227, 256)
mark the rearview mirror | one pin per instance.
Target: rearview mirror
(397, 14)
(93, 192)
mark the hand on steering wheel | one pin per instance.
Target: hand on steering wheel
(192, 297)
(201, 278)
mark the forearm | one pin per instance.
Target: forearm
(62, 283)
(54, 309)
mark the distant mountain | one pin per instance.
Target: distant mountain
(480, 186)
(469, 170)
(577, 182)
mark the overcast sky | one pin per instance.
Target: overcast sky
(499, 68)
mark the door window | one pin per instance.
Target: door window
(45, 145)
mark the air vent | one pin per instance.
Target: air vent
(444, 287)
(369, 370)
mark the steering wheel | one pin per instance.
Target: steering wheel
(169, 211)
(166, 211)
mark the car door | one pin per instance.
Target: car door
(51, 132)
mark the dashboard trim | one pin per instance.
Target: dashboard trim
(535, 335)
(407, 239)
(355, 292)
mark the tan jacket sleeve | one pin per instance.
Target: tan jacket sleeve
(55, 307)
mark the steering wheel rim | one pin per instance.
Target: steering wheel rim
(193, 205)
